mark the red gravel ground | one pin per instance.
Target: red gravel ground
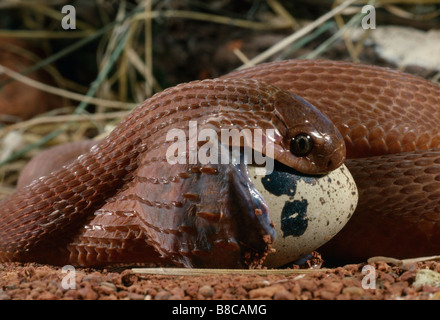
(43, 282)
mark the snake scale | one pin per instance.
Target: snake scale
(122, 201)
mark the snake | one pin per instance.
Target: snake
(122, 201)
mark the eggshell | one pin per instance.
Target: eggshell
(307, 211)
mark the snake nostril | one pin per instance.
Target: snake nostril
(329, 164)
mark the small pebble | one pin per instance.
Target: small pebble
(260, 283)
(162, 295)
(353, 291)
(267, 292)
(283, 295)
(87, 294)
(206, 291)
(136, 296)
(47, 296)
(107, 287)
(427, 277)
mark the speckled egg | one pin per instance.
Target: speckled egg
(307, 211)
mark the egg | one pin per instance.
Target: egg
(307, 211)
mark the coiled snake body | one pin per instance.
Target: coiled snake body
(122, 201)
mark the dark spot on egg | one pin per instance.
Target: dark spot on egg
(280, 181)
(294, 219)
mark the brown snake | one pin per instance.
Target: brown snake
(122, 202)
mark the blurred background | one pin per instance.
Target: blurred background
(72, 70)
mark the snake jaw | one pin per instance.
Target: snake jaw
(243, 233)
(254, 203)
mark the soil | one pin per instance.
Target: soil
(350, 282)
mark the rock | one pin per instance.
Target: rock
(427, 277)
(405, 46)
(136, 296)
(47, 296)
(259, 283)
(162, 295)
(267, 292)
(107, 287)
(87, 293)
(206, 291)
(283, 295)
(353, 291)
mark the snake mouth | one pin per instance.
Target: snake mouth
(254, 202)
(256, 230)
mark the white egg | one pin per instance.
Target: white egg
(307, 211)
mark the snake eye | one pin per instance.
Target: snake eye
(301, 145)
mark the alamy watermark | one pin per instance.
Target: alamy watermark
(230, 146)
(69, 280)
(369, 280)
(369, 20)
(69, 20)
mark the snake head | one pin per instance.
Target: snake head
(308, 141)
